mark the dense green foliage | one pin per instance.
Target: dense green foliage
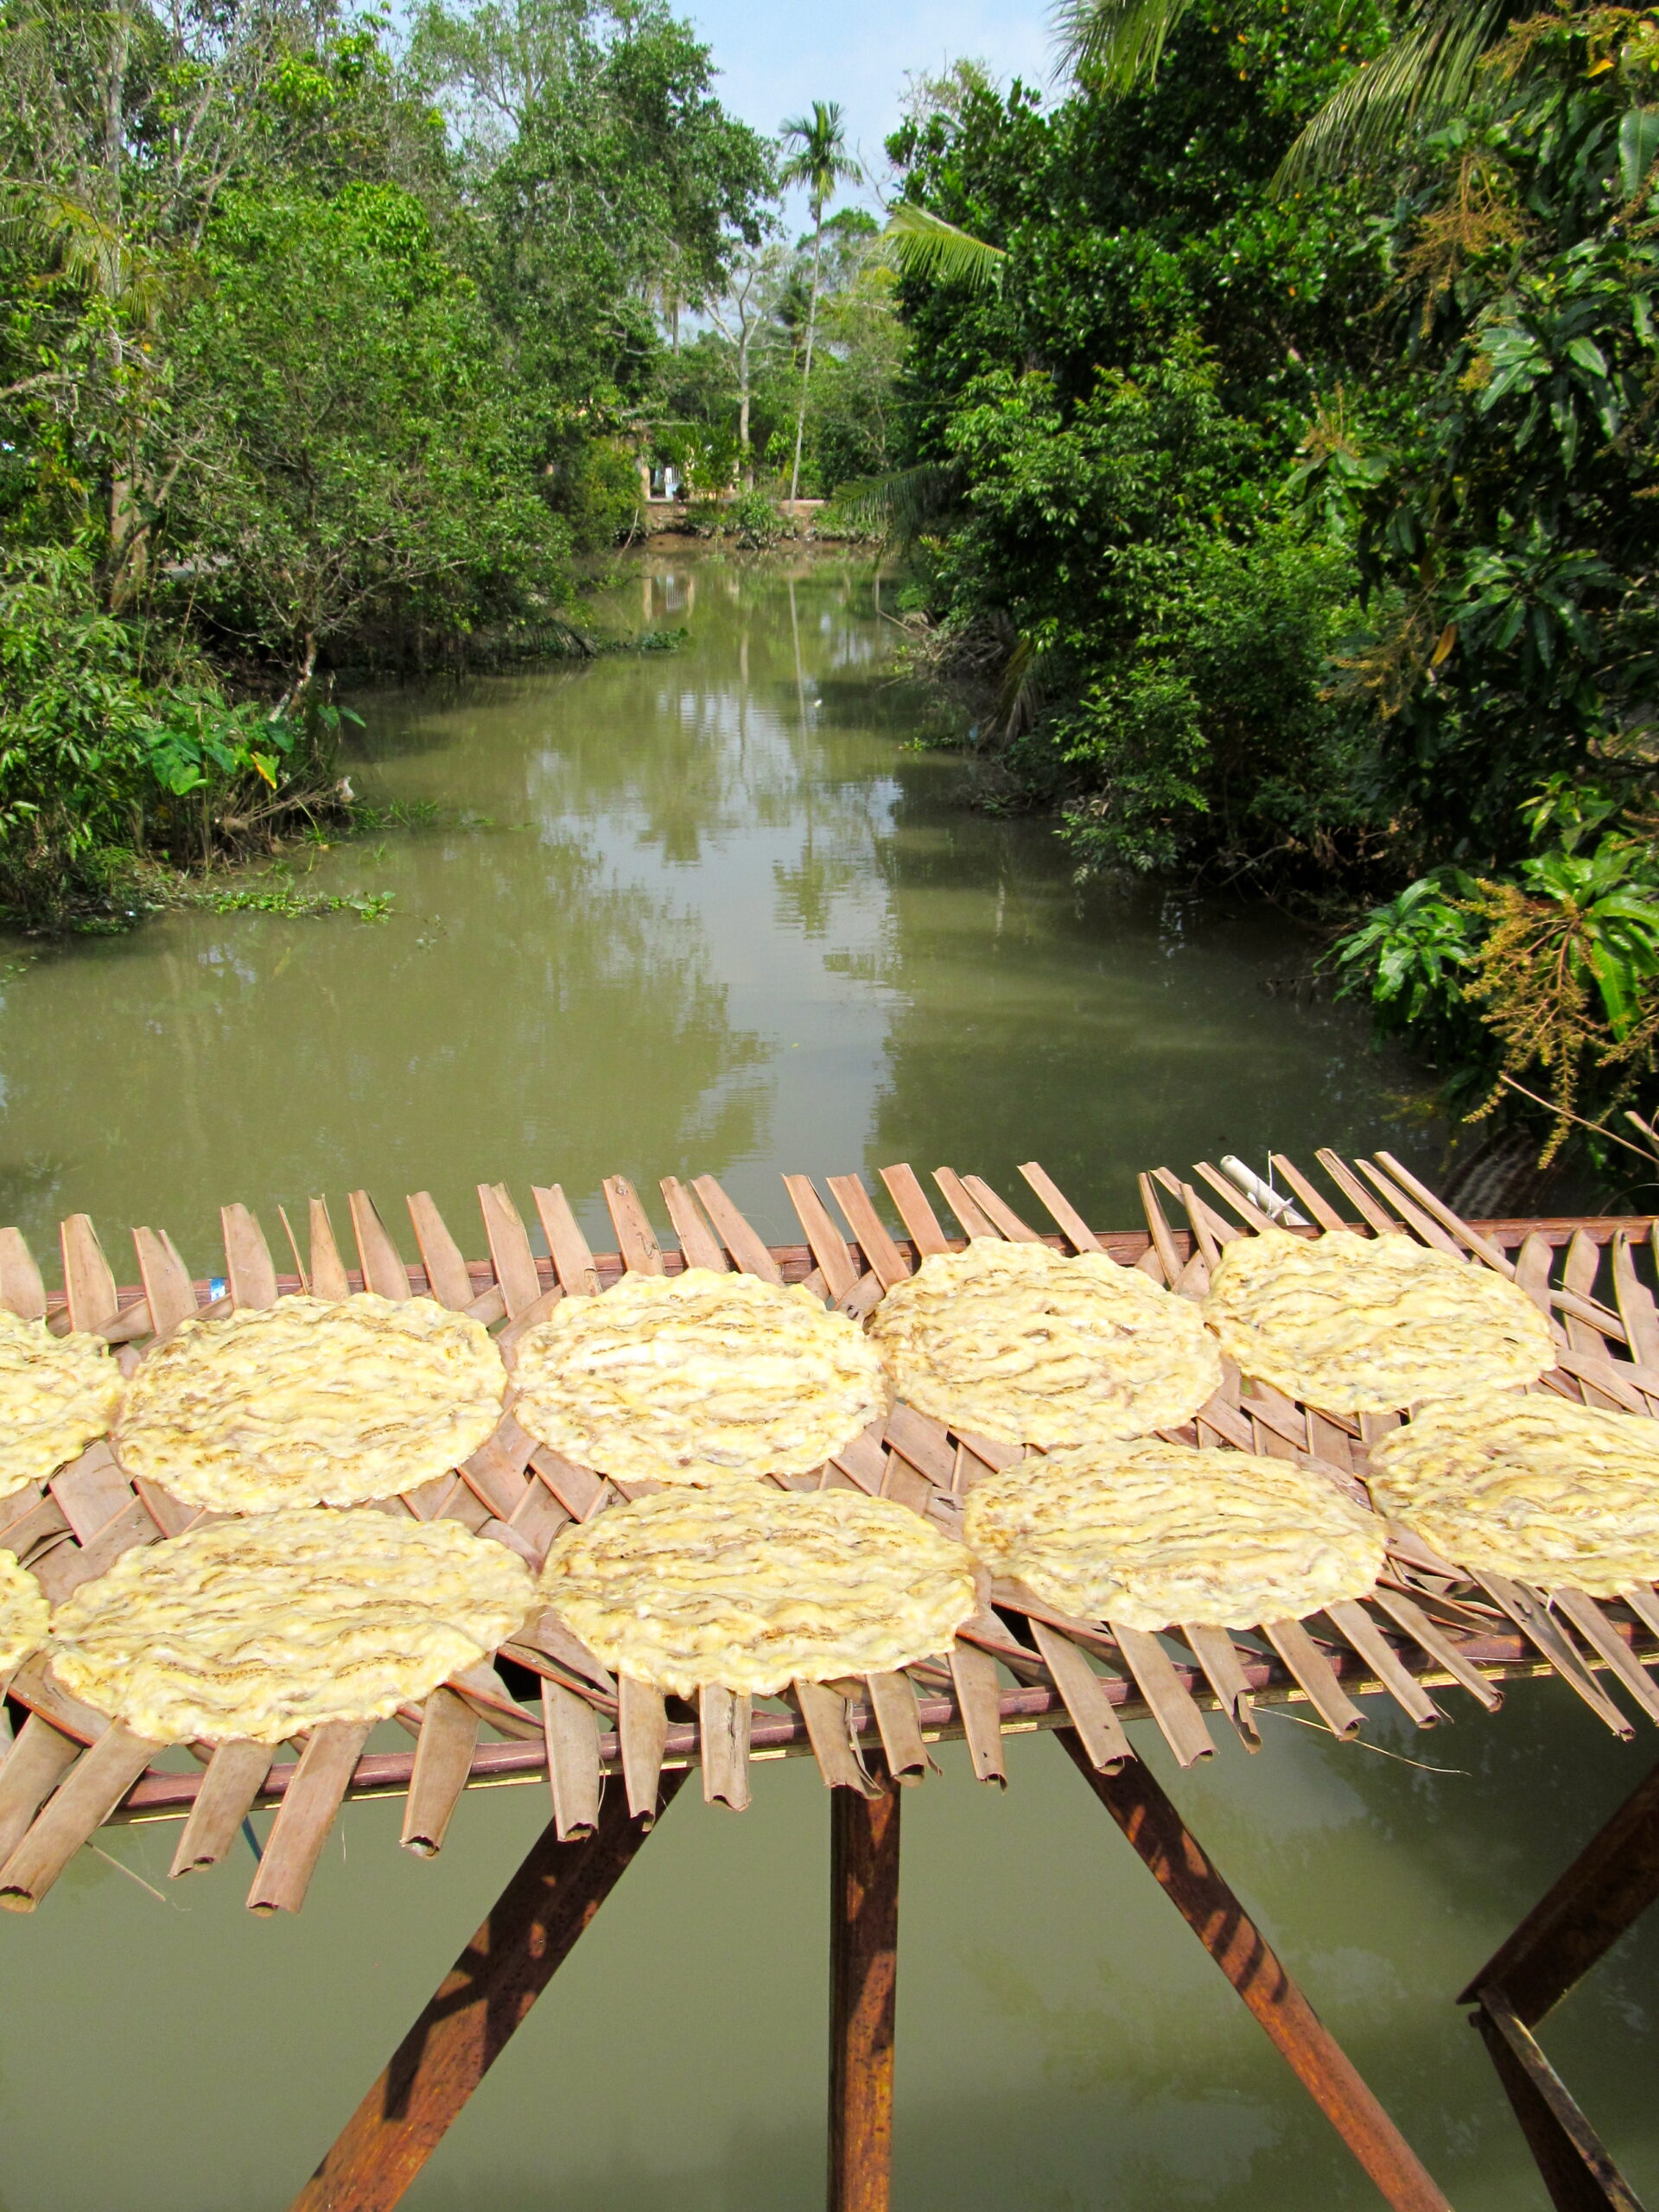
(315, 352)
(1301, 524)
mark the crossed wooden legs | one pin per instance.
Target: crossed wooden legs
(480, 2001)
(560, 1887)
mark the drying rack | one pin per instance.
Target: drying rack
(1017, 1666)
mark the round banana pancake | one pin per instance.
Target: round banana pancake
(1017, 1343)
(57, 1396)
(696, 1377)
(311, 1402)
(23, 1611)
(265, 1627)
(1536, 1488)
(1152, 1534)
(754, 1587)
(1365, 1325)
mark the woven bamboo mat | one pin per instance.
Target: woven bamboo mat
(545, 1707)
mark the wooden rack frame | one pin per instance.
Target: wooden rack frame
(1430, 1627)
(1604, 1891)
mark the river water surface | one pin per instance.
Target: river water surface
(710, 910)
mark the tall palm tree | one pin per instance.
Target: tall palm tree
(819, 159)
(1424, 75)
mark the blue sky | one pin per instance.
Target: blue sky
(777, 56)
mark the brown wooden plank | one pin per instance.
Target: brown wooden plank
(1369, 1210)
(893, 1703)
(1168, 1697)
(1314, 1199)
(34, 1767)
(447, 1277)
(973, 1676)
(328, 1277)
(723, 1718)
(1493, 1255)
(570, 1731)
(384, 1270)
(962, 1202)
(863, 1988)
(235, 1776)
(1001, 1215)
(742, 1242)
(825, 1713)
(1605, 1890)
(1218, 1654)
(1424, 1633)
(1163, 1243)
(921, 1223)
(1416, 1219)
(1384, 1661)
(634, 1233)
(168, 1292)
(1084, 1694)
(91, 1491)
(1313, 1671)
(1599, 1632)
(248, 1262)
(642, 1732)
(94, 1786)
(828, 1246)
(485, 1997)
(510, 1253)
(1189, 1878)
(89, 1286)
(306, 1814)
(1241, 1201)
(699, 1246)
(1534, 1621)
(1076, 1230)
(1635, 1304)
(924, 1443)
(881, 1256)
(443, 1752)
(1575, 2165)
(573, 1263)
(22, 1290)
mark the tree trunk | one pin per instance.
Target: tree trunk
(745, 460)
(806, 372)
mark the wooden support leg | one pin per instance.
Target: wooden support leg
(1611, 1883)
(1570, 2157)
(1152, 1824)
(863, 1986)
(478, 2004)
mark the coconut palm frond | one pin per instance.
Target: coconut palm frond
(1115, 43)
(1423, 77)
(1019, 692)
(918, 244)
(902, 506)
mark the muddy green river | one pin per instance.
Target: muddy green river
(711, 910)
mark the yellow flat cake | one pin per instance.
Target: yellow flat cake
(57, 1396)
(1017, 1343)
(1534, 1487)
(1152, 1534)
(265, 1627)
(754, 1588)
(311, 1402)
(1370, 1324)
(696, 1377)
(23, 1613)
